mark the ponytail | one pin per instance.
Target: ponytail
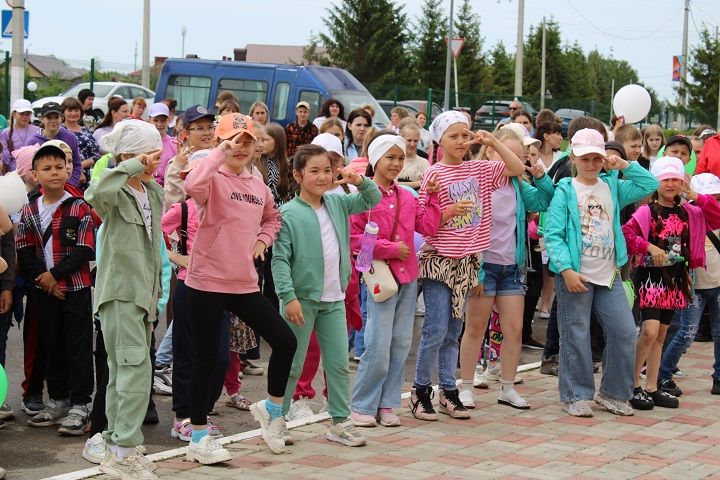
(10, 145)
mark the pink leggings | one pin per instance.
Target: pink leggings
(232, 382)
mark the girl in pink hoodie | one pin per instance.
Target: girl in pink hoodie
(238, 221)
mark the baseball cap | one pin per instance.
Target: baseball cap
(679, 139)
(705, 183)
(47, 149)
(707, 133)
(302, 104)
(527, 140)
(617, 146)
(157, 109)
(329, 142)
(234, 123)
(21, 106)
(587, 140)
(51, 107)
(196, 112)
(668, 167)
(67, 151)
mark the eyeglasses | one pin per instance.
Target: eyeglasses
(203, 130)
(513, 108)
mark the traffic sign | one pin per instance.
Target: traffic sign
(456, 44)
(7, 23)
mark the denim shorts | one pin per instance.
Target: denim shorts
(502, 280)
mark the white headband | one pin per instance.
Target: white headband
(443, 121)
(381, 145)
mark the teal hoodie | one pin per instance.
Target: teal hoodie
(529, 198)
(563, 233)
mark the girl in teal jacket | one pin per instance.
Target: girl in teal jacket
(586, 247)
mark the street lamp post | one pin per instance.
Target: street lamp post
(183, 31)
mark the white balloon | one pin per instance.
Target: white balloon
(32, 86)
(12, 193)
(632, 102)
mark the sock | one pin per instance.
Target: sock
(337, 420)
(122, 452)
(467, 385)
(198, 435)
(507, 385)
(274, 409)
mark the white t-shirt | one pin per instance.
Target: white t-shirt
(144, 205)
(413, 169)
(597, 260)
(331, 258)
(46, 212)
(339, 190)
(504, 226)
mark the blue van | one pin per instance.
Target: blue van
(281, 87)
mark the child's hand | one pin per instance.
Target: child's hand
(574, 282)
(658, 255)
(688, 192)
(57, 293)
(151, 161)
(5, 300)
(259, 250)
(47, 282)
(481, 136)
(228, 147)
(477, 291)
(433, 184)
(348, 175)
(403, 251)
(460, 208)
(613, 162)
(183, 153)
(537, 170)
(294, 314)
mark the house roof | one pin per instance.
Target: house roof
(281, 54)
(49, 64)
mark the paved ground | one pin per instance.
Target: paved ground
(500, 442)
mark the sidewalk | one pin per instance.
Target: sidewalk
(500, 442)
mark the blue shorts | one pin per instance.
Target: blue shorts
(502, 280)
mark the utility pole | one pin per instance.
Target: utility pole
(683, 65)
(519, 49)
(146, 45)
(183, 32)
(448, 59)
(135, 61)
(542, 69)
(17, 63)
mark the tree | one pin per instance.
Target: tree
(703, 70)
(473, 69)
(502, 68)
(428, 45)
(368, 38)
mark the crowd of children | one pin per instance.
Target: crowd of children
(263, 226)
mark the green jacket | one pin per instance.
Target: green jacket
(297, 256)
(131, 267)
(529, 198)
(563, 232)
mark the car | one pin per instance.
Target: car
(421, 105)
(104, 91)
(567, 115)
(494, 111)
(388, 105)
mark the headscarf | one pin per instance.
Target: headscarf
(132, 136)
(24, 157)
(443, 121)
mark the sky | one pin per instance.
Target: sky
(646, 33)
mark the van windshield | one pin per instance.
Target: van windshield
(352, 99)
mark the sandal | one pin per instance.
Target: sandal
(239, 402)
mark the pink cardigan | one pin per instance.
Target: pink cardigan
(701, 217)
(424, 219)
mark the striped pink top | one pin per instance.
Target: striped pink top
(474, 180)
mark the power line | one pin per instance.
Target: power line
(706, 14)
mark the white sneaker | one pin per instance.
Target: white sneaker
(272, 432)
(300, 408)
(207, 451)
(345, 433)
(479, 380)
(132, 467)
(160, 388)
(95, 449)
(513, 399)
(494, 374)
(466, 397)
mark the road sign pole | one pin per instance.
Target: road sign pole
(17, 63)
(457, 95)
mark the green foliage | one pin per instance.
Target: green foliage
(428, 47)
(703, 81)
(473, 66)
(502, 69)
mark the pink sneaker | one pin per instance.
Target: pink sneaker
(388, 418)
(362, 420)
(181, 430)
(214, 430)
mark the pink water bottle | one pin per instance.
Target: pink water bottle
(367, 245)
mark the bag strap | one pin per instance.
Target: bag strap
(182, 245)
(397, 214)
(714, 239)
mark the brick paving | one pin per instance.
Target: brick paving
(501, 442)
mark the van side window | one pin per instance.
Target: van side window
(280, 101)
(188, 90)
(314, 99)
(246, 91)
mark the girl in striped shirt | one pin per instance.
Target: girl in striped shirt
(450, 260)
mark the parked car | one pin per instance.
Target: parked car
(388, 105)
(281, 87)
(494, 111)
(104, 91)
(421, 105)
(567, 115)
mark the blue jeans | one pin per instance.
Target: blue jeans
(358, 336)
(575, 360)
(389, 332)
(164, 355)
(439, 344)
(684, 337)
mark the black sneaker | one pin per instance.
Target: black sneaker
(663, 399)
(151, 415)
(716, 386)
(421, 403)
(641, 400)
(532, 344)
(32, 405)
(549, 366)
(670, 387)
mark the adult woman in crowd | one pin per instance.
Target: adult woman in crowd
(357, 127)
(525, 119)
(331, 108)
(118, 111)
(87, 146)
(259, 112)
(138, 108)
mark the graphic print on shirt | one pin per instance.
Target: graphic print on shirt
(597, 240)
(468, 189)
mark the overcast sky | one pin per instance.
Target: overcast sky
(647, 33)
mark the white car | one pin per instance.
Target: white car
(104, 91)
